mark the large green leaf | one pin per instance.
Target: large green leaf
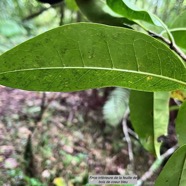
(174, 172)
(141, 115)
(84, 55)
(149, 116)
(161, 117)
(181, 125)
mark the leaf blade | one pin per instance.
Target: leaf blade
(149, 117)
(133, 13)
(141, 114)
(91, 51)
(161, 117)
(97, 11)
(179, 30)
(180, 38)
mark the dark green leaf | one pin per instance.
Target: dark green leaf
(97, 11)
(84, 55)
(174, 172)
(141, 114)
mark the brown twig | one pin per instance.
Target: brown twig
(170, 44)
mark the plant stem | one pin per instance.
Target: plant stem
(155, 166)
(171, 45)
(127, 137)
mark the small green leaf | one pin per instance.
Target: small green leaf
(85, 55)
(97, 11)
(179, 35)
(132, 12)
(161, 117)
(116, 106)
(181, 124)
(174, 172)
(150, 116)
(141, 114)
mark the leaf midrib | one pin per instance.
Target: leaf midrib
(97, 68)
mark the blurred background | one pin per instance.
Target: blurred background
(60, 138)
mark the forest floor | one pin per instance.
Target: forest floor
(45, 137)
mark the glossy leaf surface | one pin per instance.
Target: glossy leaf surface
(84, 55)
